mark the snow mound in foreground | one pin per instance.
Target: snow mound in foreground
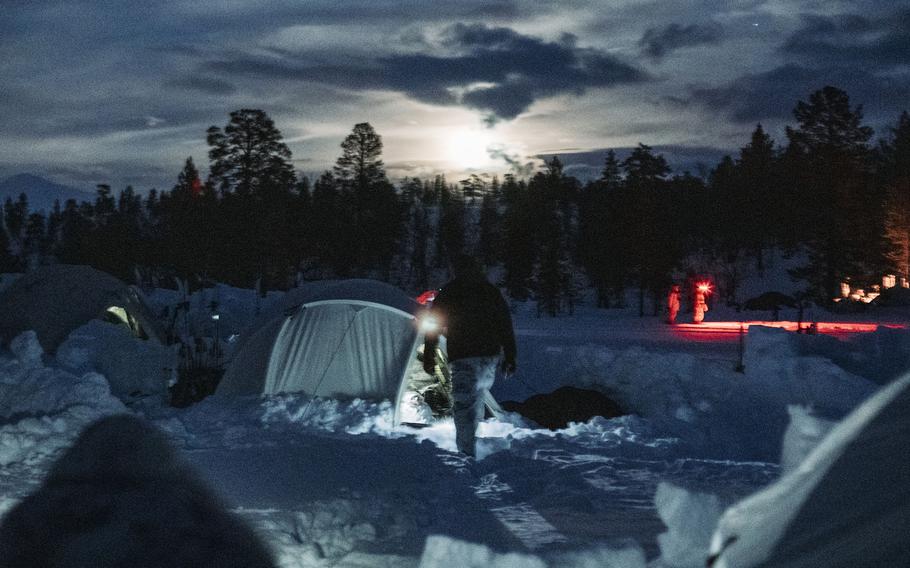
(120, 496)
(444, 552)
(690, 518)
(802, 436)
(43, 408)
(132, 366)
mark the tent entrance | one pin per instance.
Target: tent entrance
(428, 398)
(119, 316)
(435, 389)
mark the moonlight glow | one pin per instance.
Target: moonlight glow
(469, 148)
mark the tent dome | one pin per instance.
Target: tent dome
(336, 338)
(54, 300)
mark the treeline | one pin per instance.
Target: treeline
(828, 192)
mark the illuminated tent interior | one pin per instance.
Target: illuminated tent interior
(54, 300)
(340, 339)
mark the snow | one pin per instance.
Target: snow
(440, 551)
(863, 516)
(702, 402)
(133, 368)
(690, 518)
(326, 482)
(236, 308)
(42, 409)
(802, 436)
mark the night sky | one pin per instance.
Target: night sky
(122, 92)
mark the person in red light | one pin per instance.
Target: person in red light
(702, 289)
(673, 304)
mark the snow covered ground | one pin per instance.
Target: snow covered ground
(330, 483)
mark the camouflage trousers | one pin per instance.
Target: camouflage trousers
(471, 378)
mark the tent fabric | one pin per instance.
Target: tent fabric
(54, 300)
(337, 350)
(334, 339)
(848, 503)
(354, 289)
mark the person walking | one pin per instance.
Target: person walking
(673, 304)
(701, 306)
(475, 320)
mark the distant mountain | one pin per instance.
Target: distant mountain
(41, 193)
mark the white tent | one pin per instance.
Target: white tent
(846, 505)
(335, 338)
(54, 300)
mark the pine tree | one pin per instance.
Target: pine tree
(249, 156)
(652, 246)
(15, 214)
(519, 246)
(830, 159)
(373, 204)
(34, 245)
(552, 196)
(760, 208)
(359, 165)
(7, 260)
(451, 236)
(488, 244)
(895, 154)
(611, 177)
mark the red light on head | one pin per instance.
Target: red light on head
(703, 287)
(427, 297)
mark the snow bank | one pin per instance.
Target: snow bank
(691, 519)
(440, 552)
(712, 411)
(774, 362)
(43, 408)
(133, 367)
(236, 308)
(444, 552)
(239, 421)
(802, 436)
(329, 533)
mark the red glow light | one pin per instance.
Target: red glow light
(704, 287)
(426, 297)
(821, 327)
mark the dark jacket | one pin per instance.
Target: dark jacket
(474, 319)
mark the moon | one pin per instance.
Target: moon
(468, 148)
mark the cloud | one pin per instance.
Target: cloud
(588, 165)
(879, 43)
(208, 85)
(519, 167)
(495, 70)
(658, 42)
(773, 94)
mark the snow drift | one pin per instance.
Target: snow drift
(43, 408)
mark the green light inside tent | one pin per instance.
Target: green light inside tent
(119, 316)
